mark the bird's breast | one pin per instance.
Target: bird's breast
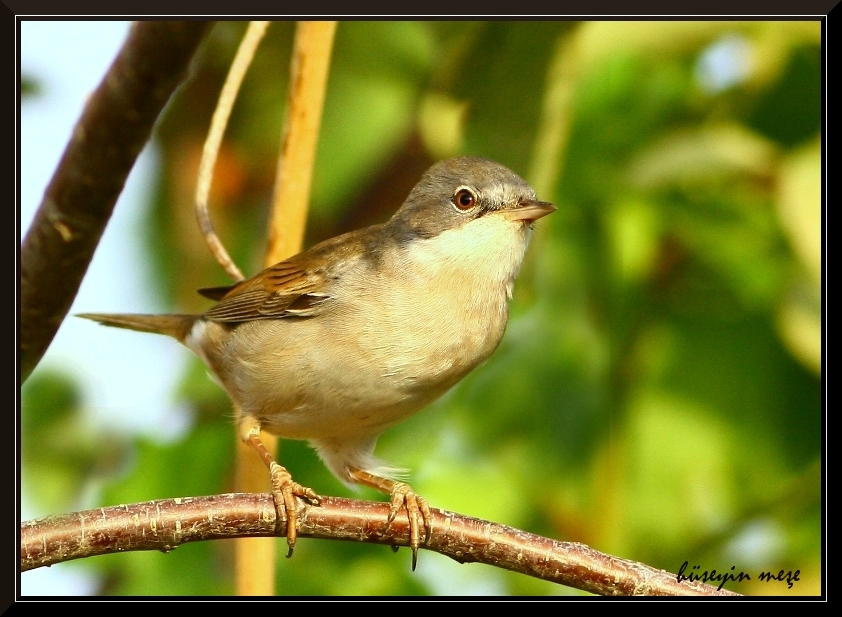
(443, 304)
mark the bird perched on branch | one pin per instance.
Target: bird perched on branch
(339, 342)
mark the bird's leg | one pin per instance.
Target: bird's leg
(401, 495)
(284, 489)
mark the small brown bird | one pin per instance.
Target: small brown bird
(340, 342)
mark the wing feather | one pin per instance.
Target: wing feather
(299, 286)
(283, 290)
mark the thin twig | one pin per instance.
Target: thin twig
(167, 523)
(245, 53)
(115, 125)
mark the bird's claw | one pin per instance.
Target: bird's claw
(284, 492)
(416, 508)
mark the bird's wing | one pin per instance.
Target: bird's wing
(287, 289)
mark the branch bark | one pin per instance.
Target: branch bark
(78, 202)
(167, 523)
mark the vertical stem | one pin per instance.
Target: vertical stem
(310, 63)
(255, 557)
(548, 153)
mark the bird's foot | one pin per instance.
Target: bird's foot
(401, 495)
(284, 489)
(284, 492)
(418, 512)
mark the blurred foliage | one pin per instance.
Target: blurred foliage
(63, 454)
(658, 393)
(29, 87)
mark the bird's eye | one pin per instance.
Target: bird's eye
(464, 199)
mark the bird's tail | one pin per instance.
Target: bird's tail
(176, 326)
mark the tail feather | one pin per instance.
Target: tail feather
(176, 326)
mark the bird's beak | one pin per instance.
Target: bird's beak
(530, 210)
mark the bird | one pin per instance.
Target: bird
(340, 342)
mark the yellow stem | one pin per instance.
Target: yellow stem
(255, 557)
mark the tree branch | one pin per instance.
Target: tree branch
(167, 523)
(105, 143)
